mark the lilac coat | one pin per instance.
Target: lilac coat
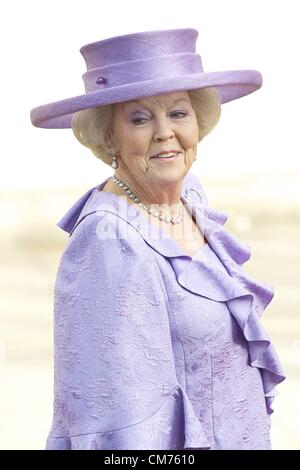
(154, 349)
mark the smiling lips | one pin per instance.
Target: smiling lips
(172, 155)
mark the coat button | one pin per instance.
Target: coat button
(175, 394)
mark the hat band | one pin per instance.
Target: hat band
(136, 71)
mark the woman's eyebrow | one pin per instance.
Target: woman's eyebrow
(181, 99)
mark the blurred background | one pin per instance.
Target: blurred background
(249, 166)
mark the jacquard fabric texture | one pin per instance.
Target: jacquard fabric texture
(154, 349)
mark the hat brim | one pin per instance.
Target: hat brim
(231, 85)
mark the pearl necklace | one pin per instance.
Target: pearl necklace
(148, 208)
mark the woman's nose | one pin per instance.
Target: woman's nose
(163, 130)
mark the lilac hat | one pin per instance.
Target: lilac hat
(137, 65)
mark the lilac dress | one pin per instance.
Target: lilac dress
(155, 349)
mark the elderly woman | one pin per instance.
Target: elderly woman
(158, 339)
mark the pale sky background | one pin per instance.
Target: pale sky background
(41, 63)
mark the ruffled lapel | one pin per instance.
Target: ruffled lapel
(233, 254)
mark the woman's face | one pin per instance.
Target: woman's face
(145, 127)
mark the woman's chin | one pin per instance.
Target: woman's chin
(169, 177)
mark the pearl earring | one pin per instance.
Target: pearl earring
(114, 163)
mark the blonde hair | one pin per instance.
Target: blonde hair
(93, 126)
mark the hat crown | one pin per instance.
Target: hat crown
(138, 65)
(139, 46)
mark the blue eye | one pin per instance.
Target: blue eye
(138, 120)
(180, 112)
